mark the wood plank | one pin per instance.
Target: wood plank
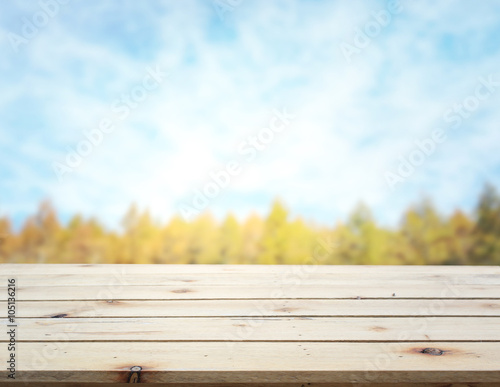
(265, 324)
(293, 384)
(223, 279)
(259, 329)
(383, 290)
(112, 269)
(263, 308)
(218, 362)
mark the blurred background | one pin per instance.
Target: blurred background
(238, 131)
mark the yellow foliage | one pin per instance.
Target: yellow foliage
(424, 237)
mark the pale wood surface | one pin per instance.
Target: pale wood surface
(222, 325)
(261, 329)
(260, 362)
(24, 269)
(273, 291)
(270, 308)
(230, 279)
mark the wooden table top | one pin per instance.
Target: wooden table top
(241, 325)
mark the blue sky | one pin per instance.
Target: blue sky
(355, 116)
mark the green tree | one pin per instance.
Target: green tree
(202, 242)
(425, 233)
(368, 242)
(486, 234)
(230, 241)
(130, 225)
(175, 241)
(459, 238)
(276, 236)
(252, 232)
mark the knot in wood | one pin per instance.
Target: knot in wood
(433, 351)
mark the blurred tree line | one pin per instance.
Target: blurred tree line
(423, 237)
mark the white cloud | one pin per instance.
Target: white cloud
(353, 120)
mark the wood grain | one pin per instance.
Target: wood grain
(111, 269)
(325, 329)
(259, 308)
(271, 291)
(231, 279)
(294, 384)
(234, 362)
(242, 326)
